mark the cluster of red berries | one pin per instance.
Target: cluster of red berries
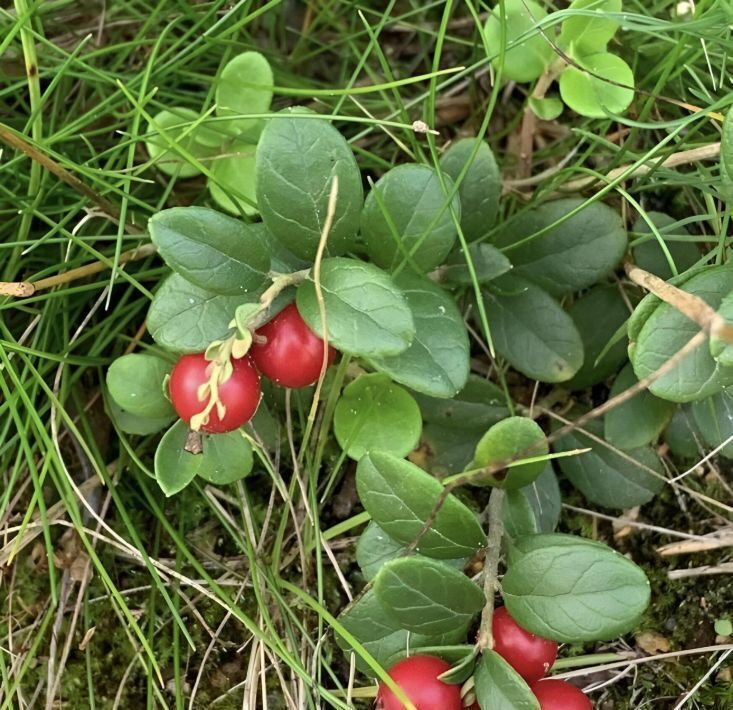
(285, 350)
(529, 655)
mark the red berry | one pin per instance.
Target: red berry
(240, 394)
(559, 695)
(529, 655)
(418, 678)
(293, 353)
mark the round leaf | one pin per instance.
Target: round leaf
(297, 158)
(226, 458)
(528, 53)
(135, 383)
(512, 438)
(134, 424)
(547, 109)
(437, 361)
(500, 687)
(367, 314)
(594, 90)
(232, 181)
(373, 414)
(212, 251)
(400, 497)
(586, 33)
(175, 467)
(714, 419)
(406, 217)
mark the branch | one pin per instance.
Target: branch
(491, 568)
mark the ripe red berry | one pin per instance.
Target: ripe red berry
(418, 678)
(529, 655)
(240, 394)
(559, 695)
(292, 354)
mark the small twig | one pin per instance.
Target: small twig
(703, 543)
(491, 568)
(705, 571)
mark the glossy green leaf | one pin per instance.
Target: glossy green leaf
(500, 687)
(462, 668)
(586, 33)
(382, 637)
(517, 515)
(665, 331)
(232, 181)
(175, 467)
(639, 420)
(437, 361)
(713, 417)
(426, 596)
(547, 109)
(245, 87)
(226, 458)
(609, 478)
(598, 315)
(581, 251)
(297, 158)
(720, 349)
(682, 435)
(400, 497)
(187, 319)
(534, 508)
(575, 592)
(406, 217)
(374, 414)
(367, 314)
(488, 264)
(532, 543)
(649, 254)
(531, 331)
(514, 438)
(211, 250)
(135, 424)
(604, 85)
(175, 127)
(528, 53)
(136, 383)
(480, 188)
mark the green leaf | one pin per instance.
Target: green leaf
(575, 592)
(585, 33)
(532, 332)
(426, 596)
(606, 477)
(726, 158)
(406, 216)
(649, 254)
(367, 313)
(135, 424)
(298, 157)
(544, 498)
(437, 361)
(462, 669)
(720, 349)
(232, 181)
(373, 414)
(638, 421)
(581, 251)
(682, 435)
(480, 189)
(488, 264)
(212, 251)
(598, 315)
(400, 497)
(531, 543)
(174, 126)
(187, 319)
(136, 384)
(500, 687)
(547, 109)
(599, 88)
(665, 331)
(226, 458)
(245, 87)
(517, 515)
(366, 620)
(714, 419)
(528, 53)
(461, 655)
(512, 438)
(175, 467)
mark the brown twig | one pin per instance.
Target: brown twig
(491, 568)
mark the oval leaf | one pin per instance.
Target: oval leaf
(427, 597)
(500, 687)
(406, 218)
(367, 314)
(232, 181)
(488, 264)
(134, 424)
(373, 414)
(586, 33)
(400, 497)
(136, 384)
(714, 419)
(649, 254)
(212, 251)
(226, 458)
(297, 158)
(437, 361)
(175, 467)
(575, 592)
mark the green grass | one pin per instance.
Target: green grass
(222, 597)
